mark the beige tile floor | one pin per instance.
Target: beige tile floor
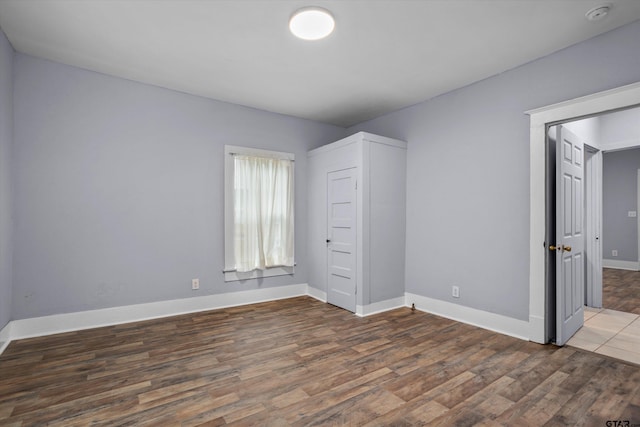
(609, 332)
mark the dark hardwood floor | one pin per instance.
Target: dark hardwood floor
(621, 290)
(301, 362)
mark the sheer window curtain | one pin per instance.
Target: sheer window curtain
(263, 213)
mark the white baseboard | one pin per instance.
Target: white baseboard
(5, 337)
(621, 265)
(317, 294)
(379, 307)
(67, 322)
(483, 319)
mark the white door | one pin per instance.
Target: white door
(341, 238)
(569, 235)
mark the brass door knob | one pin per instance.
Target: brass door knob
(566, 248)
(553, 247)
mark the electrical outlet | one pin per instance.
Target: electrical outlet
(455, 292)
(632, 214)
(614, 252)
(195, 284)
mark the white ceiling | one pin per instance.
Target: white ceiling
(383, 55)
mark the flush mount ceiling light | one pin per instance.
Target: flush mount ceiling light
(597, 13)
(311, 23)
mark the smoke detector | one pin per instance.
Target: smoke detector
(597, 13)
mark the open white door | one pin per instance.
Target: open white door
(341, 238)
(569, 245)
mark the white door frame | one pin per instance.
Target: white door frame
(593, 228)
(622, 97)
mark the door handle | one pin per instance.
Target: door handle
(328, 240)
(560, 248)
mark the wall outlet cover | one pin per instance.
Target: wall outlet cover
(195, 284)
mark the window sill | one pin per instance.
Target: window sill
(231, 276)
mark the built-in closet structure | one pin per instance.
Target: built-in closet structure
(357, 201)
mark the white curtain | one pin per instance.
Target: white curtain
(263, 213)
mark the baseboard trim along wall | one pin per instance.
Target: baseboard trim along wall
(5, 337)
(379, 307)
(69, 322)
(317, 294)
(621, 265)
(482, 319)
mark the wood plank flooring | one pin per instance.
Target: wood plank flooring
(621, 290)
(301, 362)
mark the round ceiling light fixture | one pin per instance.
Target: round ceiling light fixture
(311, 23)
(597, 13)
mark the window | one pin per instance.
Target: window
(259, 213)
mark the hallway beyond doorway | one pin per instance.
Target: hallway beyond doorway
(611, 333)
(621, 290)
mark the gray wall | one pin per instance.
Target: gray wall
(119, 189)
(620, 195)
(118, 186)
(468, 171)
(586, 129)
(621, 127)
(6, 137)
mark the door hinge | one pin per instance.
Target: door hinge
(356, 290)
(356, 185)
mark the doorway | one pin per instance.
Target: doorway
(621, 278)
(612, 187)
(540, 119)
(611, 214)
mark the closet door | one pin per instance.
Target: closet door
(341, 238)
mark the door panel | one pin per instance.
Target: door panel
(341, 238)
(569, 235)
